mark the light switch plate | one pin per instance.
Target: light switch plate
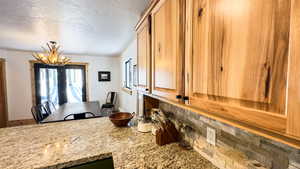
(211, 136)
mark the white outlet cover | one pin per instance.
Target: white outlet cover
(211, 136)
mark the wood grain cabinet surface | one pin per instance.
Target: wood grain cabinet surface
(236, 64)
(293, 107)
(168, 48)
(144, 52)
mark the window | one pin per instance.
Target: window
(60, 84)
(47, 85)
(134, 76)
(128, 74)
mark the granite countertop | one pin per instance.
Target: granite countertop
(64, 144)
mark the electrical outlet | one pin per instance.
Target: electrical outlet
(211, 136)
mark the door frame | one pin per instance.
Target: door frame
(32, 78)
(3, 65)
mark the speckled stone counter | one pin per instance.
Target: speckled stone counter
(64, 144)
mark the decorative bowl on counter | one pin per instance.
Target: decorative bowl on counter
(121, 119)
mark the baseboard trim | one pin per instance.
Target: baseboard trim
(14, 123)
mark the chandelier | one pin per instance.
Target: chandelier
(52, 56)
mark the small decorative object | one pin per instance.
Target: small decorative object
(52, 56)
(134, 71)
(144, 126)
(121, 119)
(103, 76)
(166, 131)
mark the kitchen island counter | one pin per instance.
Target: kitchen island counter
(65, 144)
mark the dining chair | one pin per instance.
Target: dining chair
(111, 100)
(49, 107)
(79, 116)
(43, 111)
(36, 113)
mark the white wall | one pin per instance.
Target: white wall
(128, 102)
(19, 81)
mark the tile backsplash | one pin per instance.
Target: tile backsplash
(235, 148)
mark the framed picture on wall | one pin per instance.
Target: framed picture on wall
(104, 76)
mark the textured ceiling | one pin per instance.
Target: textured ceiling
(95, 27)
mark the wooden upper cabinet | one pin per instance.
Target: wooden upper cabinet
(236, 59)
(168, 48)
(144, 51)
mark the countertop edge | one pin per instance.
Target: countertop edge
(79, 161)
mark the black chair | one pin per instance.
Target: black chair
(79, 116)
(49, 107)
(111, 100)
(43, 111)
(36, 113)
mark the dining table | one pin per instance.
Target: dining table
(74, 111)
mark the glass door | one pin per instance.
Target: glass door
(75, 85)
(48, 85)
(60, 84)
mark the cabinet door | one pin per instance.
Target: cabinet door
(143, 40)
(168, 45)
(237, 61)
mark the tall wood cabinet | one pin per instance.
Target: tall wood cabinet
(144, 52)
(168, 49)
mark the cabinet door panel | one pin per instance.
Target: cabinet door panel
(142, 57)
(167, 49)
(236, 60)
(165, 43)
(240, 52)
(143, 40)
